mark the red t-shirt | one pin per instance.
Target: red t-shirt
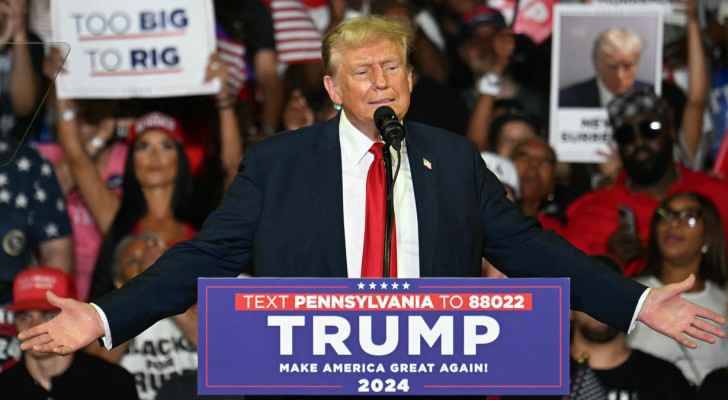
(593, 217)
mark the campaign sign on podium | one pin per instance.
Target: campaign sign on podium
(309, 336)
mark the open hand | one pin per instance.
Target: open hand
(667, 312)
(77, 325)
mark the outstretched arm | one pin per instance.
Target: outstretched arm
(169, 287)
(520, 248)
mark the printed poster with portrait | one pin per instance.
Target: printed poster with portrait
(599, 52)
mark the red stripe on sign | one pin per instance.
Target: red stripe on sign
(87, 38)
(136, 73)
(383, 301)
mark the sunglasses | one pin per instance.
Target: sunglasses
(688, 217)
(649, 129)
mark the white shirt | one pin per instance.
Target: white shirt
(605, 96)
(157, 354)
(355, 162)
(694, 363)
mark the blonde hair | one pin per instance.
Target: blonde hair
(616, 40)
(360, 31)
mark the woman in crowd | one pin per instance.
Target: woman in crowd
(157, 182)
(686, 238)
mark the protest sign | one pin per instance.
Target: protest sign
(598, 53)
(341, 336)
(135, 48)
(533, 17)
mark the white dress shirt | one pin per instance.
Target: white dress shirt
(355, 162)
(605, 96)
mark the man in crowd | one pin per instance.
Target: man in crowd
(298, 208)
(44, 376)
(168, 348)
(616, 220)
(616, 56)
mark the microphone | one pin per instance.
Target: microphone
(389, 126)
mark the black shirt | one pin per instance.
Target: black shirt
(641, 377)
(87, 377)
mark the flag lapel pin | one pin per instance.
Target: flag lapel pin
(427, 164)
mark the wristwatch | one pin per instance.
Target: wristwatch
(68, 114)
(489, 84)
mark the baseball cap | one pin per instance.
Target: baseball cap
(482, 15)
(30, 287)
(157, 121)
(634, 102)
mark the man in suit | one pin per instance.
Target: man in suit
(616, 57)
(300, 207)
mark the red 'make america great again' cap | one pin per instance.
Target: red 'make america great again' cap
(30, 287)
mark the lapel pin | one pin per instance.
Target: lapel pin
(427, 164)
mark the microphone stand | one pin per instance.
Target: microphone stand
(390, 206)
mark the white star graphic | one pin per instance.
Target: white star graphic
(4, 196)
(383, 285)
(59, 204)
(395, 285)
(361, 285)
(372, 286)
(46, 170)
(21, 201)
(3, 179)
(24, 164)
(51, 230)
(405, 285)
(40, 195)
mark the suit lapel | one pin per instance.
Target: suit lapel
(329, 193)
(423, 165)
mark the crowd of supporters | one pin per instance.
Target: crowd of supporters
(92, 191)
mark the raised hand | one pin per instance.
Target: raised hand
(667, 312)
(77, 325)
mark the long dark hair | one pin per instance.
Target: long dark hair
(132, 208)
(713, 262)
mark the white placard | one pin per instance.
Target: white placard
(672, 10)
(579, 130)
(134, 48)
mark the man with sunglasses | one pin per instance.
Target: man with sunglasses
(615, 220)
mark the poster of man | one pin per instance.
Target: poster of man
(600, 52)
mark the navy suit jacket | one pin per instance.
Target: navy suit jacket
(283, 217)
(586, 94)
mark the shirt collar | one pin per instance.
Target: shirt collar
(605, 96)
(354, 143)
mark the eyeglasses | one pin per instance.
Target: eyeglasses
(689, 217)
(649, 129)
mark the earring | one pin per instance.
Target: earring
(337, 107)
(704, 249)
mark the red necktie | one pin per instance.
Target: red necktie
(373, 257)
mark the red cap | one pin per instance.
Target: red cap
(30, 287)
(158, 121)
